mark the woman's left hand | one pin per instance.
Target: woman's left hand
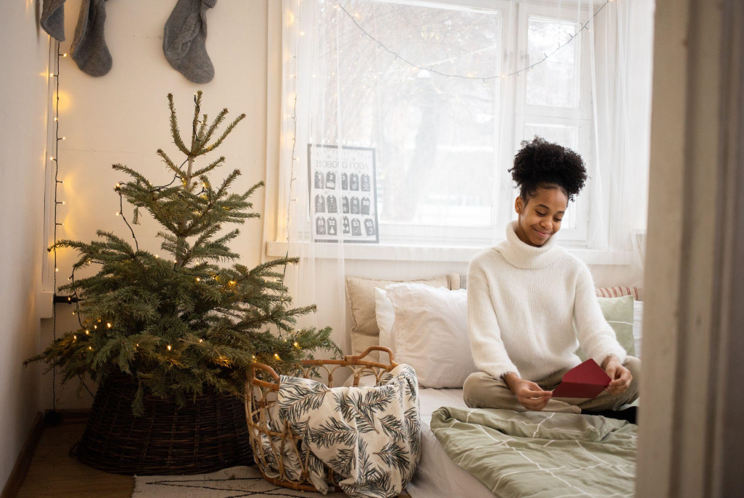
(621, 376)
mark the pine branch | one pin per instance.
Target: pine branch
(170, 164)
(224, 135)
(194, 133)
(218, 120)
(175, 133)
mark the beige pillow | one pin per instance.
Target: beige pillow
(360, 293)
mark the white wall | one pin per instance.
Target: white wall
(122, 117)
(23, 111)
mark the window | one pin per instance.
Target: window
(429, 86)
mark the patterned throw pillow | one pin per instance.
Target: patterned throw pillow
(619, 291)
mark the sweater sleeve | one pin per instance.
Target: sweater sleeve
(489, 353)
(596, 336)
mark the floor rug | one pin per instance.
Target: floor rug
(235, 482)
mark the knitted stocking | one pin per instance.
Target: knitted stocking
(53, 18)
(184, 40)
(89, 48)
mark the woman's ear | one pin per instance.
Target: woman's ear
(519, 204)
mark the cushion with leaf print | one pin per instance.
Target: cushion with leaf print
(370, 436)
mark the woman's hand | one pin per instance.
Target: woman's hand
(528, 393)
(621, 376)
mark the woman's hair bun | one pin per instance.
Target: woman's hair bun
(540, 163)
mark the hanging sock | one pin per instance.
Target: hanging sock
(184, 40)
(53, 19)
(89, 48)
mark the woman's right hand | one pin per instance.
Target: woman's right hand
(528, 393)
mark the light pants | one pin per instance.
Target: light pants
(483, 391)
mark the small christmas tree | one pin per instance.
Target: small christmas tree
(180, 323)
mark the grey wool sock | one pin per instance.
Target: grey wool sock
(53, 18)
(89, 48)
(184, 40)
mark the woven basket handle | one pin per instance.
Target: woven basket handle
(262, 383)
(354, 360)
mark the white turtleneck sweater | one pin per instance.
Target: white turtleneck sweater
(523, 303)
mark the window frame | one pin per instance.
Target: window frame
(513, 113)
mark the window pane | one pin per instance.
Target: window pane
(554, 82)
(434, 135)
(567, 136)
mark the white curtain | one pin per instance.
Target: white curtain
(400, 119)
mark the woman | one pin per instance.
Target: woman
(526, 294)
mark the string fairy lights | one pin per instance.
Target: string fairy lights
(54, 416)
(293, 116)
(380, 45)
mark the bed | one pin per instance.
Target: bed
(437, 475)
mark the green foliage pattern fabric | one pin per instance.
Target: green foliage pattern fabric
(370, 436)
(540, 454)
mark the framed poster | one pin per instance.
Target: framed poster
(343, 194)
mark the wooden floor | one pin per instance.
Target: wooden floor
(56, 474)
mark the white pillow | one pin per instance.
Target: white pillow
(385, 314)
(431, 333)
(638, 326)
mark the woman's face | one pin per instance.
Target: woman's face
(540, 217)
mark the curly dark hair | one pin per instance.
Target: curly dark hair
(540, 163)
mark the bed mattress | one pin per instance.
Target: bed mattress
(437, 475)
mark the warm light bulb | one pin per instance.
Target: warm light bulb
(64, 55)
(277, 357)
(56, 269)
(55, 119)
(136, 345)
(51, 158)
(169, 347)
(296, 344)
(90, 348)
(157, 256)
(201, 340)
(118, 213)
(95, 327)
(87, 332)
(108, 324)
(198, 279)
(74, 337)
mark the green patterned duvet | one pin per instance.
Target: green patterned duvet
(540, 454)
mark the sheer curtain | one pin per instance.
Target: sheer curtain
(400, 119)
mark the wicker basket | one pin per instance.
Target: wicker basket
(261, 398)
(208, 434)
